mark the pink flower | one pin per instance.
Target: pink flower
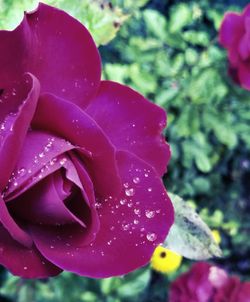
(234, 35)
(81, 159)
(207, 283)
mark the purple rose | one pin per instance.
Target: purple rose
(81, 159)
(234, 35)
(208, 283)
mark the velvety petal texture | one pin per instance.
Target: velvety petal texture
(81, 159)
(234, 35)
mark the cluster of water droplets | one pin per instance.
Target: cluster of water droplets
(34, 173)
(129, 212)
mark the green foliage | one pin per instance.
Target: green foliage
(102, 20)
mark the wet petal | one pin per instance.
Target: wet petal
(14, 129)
(40, 156)
(22, 261)
(81, 130)
(120, 110)
(132, 224)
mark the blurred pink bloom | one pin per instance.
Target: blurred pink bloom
(208, 283)
(234, 35)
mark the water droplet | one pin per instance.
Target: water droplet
(98, 205)
(149, 189)
(123, 201)
(136, 180)
(149, 214)
(63, 161)
(130, 192)
(146, 174)
(125, 227)
(130, 204)
(136, 221)
(41, 154)
(125, 185)
(137, 211)
(25, 268)
(21, 172)
(51, 246)
(151, 236)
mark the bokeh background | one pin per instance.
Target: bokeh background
(167, 50)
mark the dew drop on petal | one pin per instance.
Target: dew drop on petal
(123, 201)
(137, 211)
(149, 214)
(130, 192)
(151, 236)
(136, 180)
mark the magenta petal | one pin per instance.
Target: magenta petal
(40, 156)
(42, 204)
(231, 30)
(246, 12)
(13, 228)
(81, 130)
(120, 110)
(24, 262)
(14, 129)
(57, 49)
(243, 47)
(244, 75)
(132, 224)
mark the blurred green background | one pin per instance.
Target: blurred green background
(168, 51)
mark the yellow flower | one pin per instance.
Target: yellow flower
(165, 261)
(216, 235)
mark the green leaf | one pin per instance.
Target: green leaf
(156, 23)
(225, 134)
(190, 236)
(202, 161)
(180, 16)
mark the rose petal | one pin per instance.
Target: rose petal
(13, 228)
(42, 204)
(40, 156)
(129, 229)
(244, 75)
(243, 47)
(120, 110)
(246, 12)
(231, 30)
(13, 133)
(57, 49)
(24, 262)
(81, 130)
